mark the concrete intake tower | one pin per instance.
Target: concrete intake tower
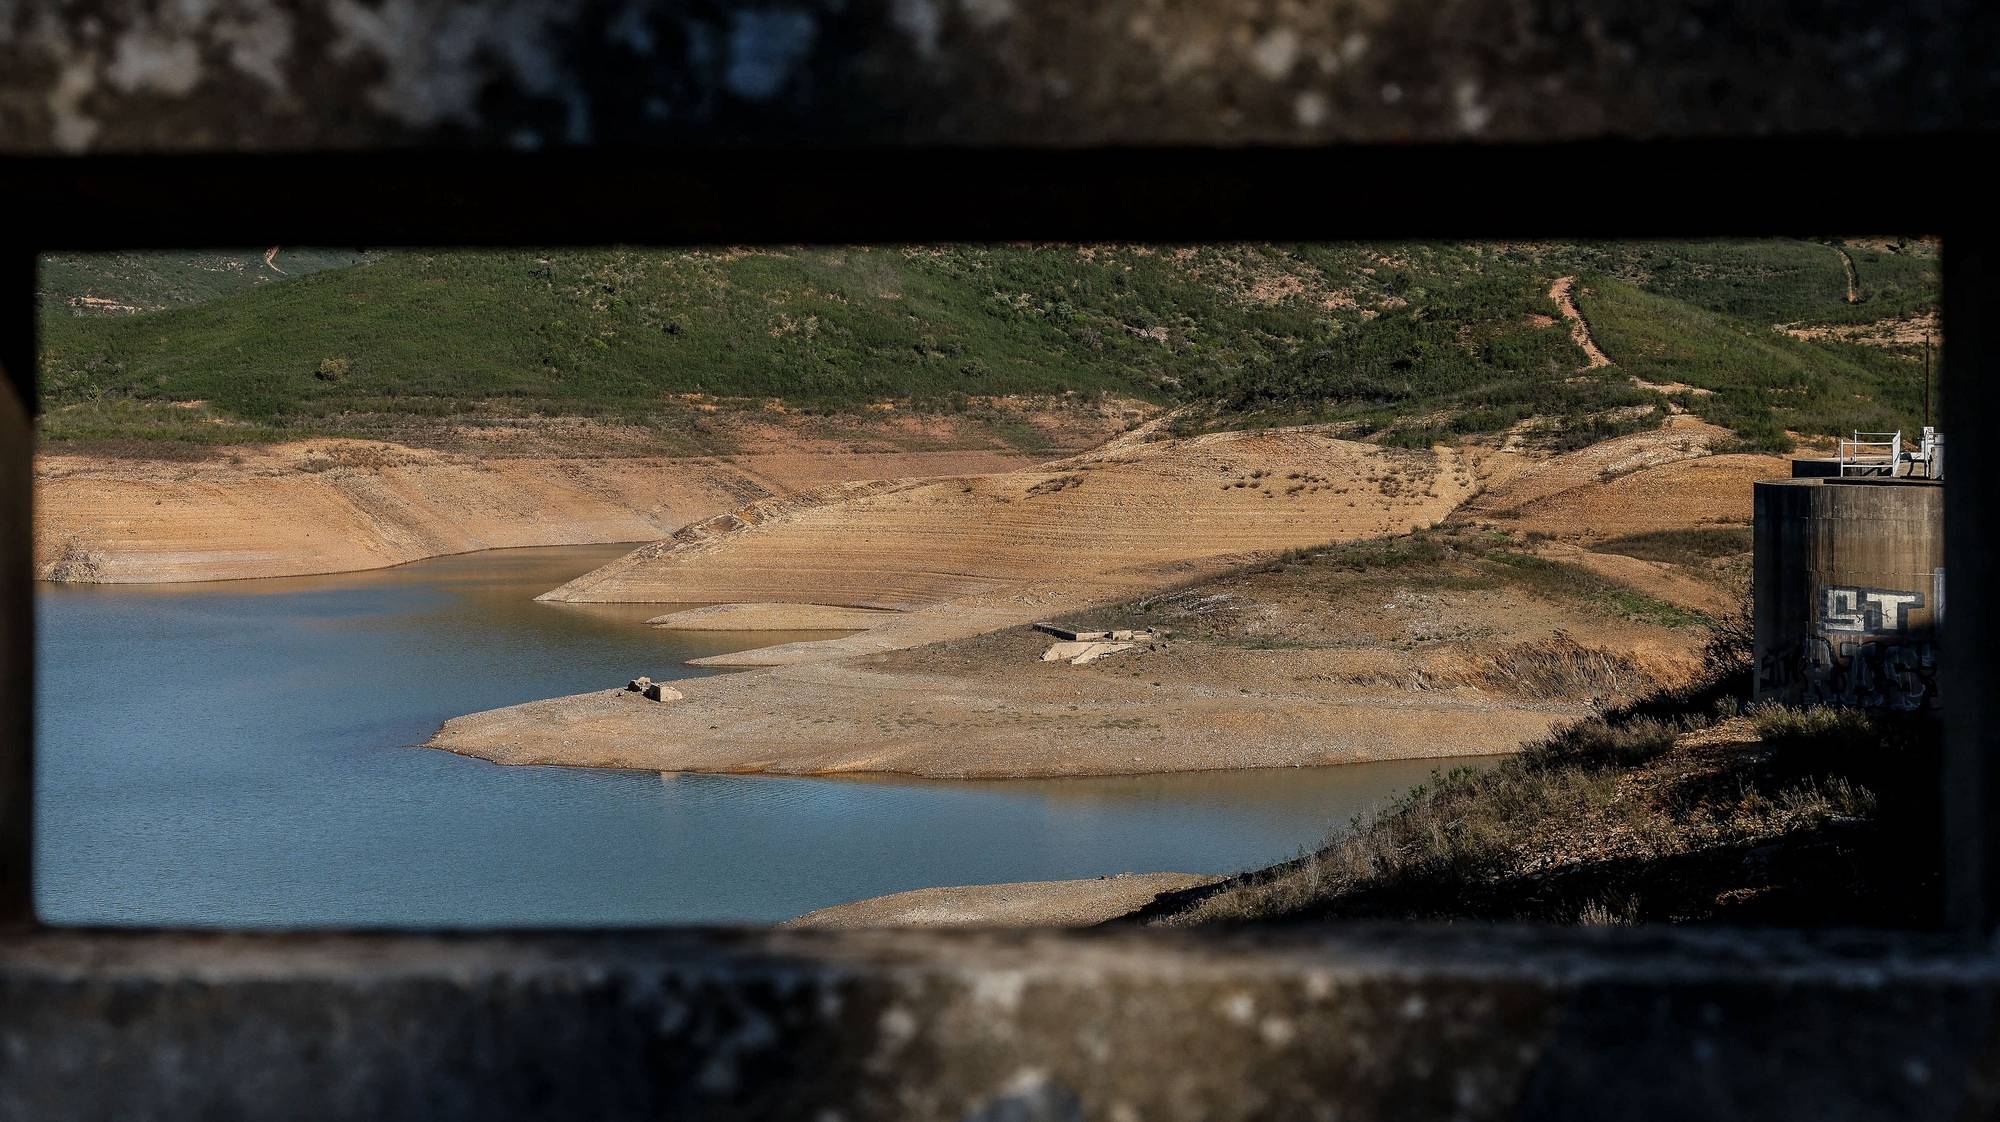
(1850, 591)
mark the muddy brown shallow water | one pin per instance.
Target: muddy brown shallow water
(241, 754)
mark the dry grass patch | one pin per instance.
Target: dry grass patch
(1679, 810)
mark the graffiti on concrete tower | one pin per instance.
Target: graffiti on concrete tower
(1866, 610)
(1866, 650)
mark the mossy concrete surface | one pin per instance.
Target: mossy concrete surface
(1355, 1022)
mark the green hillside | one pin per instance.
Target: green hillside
(1771, 281)
(1760, 382)
(123, 283)
(1408, 342)
(1472, 355)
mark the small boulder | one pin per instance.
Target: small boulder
(640, 684)
(658, 692)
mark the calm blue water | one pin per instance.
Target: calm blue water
(240, 754)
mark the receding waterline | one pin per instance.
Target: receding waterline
(240, 754)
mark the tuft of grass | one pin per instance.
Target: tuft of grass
(1818, 728)
(1597, 743)
(1604, 913)
(1559, 668)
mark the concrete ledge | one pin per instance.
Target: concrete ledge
(1357, 1022)
(295, 75)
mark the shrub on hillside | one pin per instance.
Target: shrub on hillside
(1730, 653)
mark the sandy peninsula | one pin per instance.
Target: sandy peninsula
(1504, 623)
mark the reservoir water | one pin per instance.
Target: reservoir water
(241, 754)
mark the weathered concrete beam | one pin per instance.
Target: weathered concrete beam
(1404, 1022)
(1971, 403)
(17, 586)
(323, 75)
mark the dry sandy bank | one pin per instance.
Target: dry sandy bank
(851, 717)
(904, 546)
(1667, 479)
(771, 617)
(1048, 903)
(326, 506)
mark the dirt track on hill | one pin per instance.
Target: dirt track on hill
(1563, 292)
(1853, 278)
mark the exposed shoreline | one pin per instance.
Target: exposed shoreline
(1047, 903)
(770, 617)
(322, 507)
(1302, 667)
(611, 729)
(140, 584)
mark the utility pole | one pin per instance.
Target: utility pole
(1927, 381)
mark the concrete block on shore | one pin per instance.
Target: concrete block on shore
(1070, 636)
(1099, 650)
(656, 691)
(1079, 653)
(1121, 635)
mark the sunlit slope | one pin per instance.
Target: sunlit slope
(1401, 343)
(331, 505)
(906, 546)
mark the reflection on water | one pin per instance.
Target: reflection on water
(239, 754)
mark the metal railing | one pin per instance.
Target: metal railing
(1871, 453)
